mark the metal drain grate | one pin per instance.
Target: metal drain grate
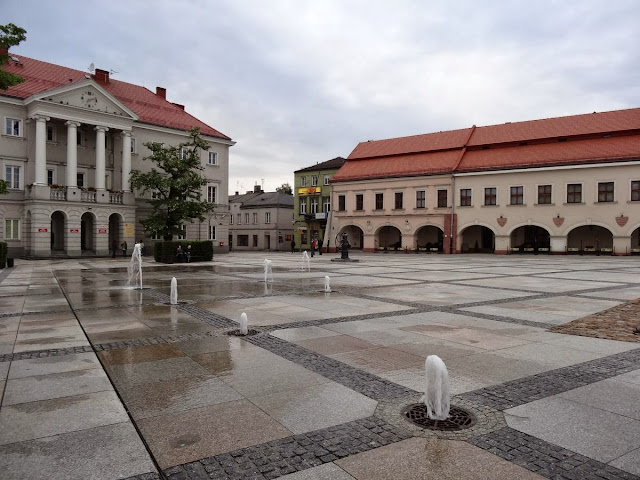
(459, 418)
(236, 333)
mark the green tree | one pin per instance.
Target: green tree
(177, 184)
(10, 36)
(285, 188)
(3, 187)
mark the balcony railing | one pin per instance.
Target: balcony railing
(58, 193)
(88, 196)
(115, 197)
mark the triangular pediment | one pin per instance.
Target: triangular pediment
(85, 95)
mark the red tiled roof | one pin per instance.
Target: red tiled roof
(588, 142)
(417, 143)
(556, 153)
(430, 163)
(42, 76)
(590, 123)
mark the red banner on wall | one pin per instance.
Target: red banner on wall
(74, 230)
(43, 230)
(102, 230)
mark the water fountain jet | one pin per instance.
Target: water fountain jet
(306, 262)
(327, 286)
(174, 291)
(268, 272)
(135, 268)
(244, 321)
(436, 397)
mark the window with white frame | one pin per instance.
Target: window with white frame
(314, 205)
(326, 204)
(314, 180)
(421, 199)
(239, 219)
(212, 232)
(211, 194)
(303, 181)
(80, 138)
(155, 194)
(80, 180)
(326, 179)
(303, 206)
(51, 176)
(107, 181)
(133, 145)
(255, 218)
(51, 133)
(246, 218)
(156, 236)
(267, 217)
(107, 142)
(12, 176)
(183, 232)
(12, 229)
(13, 127)
(213, 158)
(231, 219)
(184, 151)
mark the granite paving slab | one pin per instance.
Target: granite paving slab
(56, 364)
(328, 471)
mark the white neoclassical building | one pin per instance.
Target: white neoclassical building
(556, 185)
(68, 143)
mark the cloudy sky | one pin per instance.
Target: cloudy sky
(296, 82)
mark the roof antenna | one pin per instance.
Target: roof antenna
(92, 68)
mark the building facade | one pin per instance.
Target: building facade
(68, 144)
(559, 185)
(312, 203)
(261, 221)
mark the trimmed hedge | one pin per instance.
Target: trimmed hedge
(165, 252)
(3, 254)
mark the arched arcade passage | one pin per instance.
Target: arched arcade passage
(389, 238)
(354, 234)
(430, 238)
(530, 239)
(478, 239)
(590, 238)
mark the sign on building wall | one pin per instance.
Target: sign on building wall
(129, 230)
(43, 230)
(310, 191)
(74, 230)
(102, 230)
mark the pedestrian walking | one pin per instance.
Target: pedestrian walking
(293, 246)
(320, 247)
(114, 248)
(123, 245)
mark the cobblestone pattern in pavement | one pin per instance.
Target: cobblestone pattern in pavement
(44, 353)
(362, 382)
(546, 459)
(145, 476)
(542, 385)
(291, 454)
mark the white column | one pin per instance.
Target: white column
(126, 161)
(41, 150)
(100, 157)
(72, 154)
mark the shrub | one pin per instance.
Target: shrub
(165, 252)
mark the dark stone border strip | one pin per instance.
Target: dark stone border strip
(292, 454)
(496, 318)
(362, 382)
(45, 353)
(543, 385)
(544, 458)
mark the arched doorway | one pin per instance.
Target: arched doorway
(88, 232)
(389, 238)
(58, 228)
(354, 234)
(115, 229)
(635, 242)
(430, 239)
(478, 239)
(28, 234)
(590, 239)
(530, 239)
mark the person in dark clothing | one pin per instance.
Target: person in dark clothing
(114, 248)
(320, 246)
(293, 246)
(123, 245)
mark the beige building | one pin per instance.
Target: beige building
(261, 221)
(560, 185)
(68, 144)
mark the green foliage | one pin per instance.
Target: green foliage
(3, 254)
(165, 252)
(285, 188)
(177, 182)
(10, 37)
(4, 187)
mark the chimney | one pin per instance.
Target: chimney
(181, 107)
(101, 76)
(237, 193)
(161, 92)
(257, 189)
